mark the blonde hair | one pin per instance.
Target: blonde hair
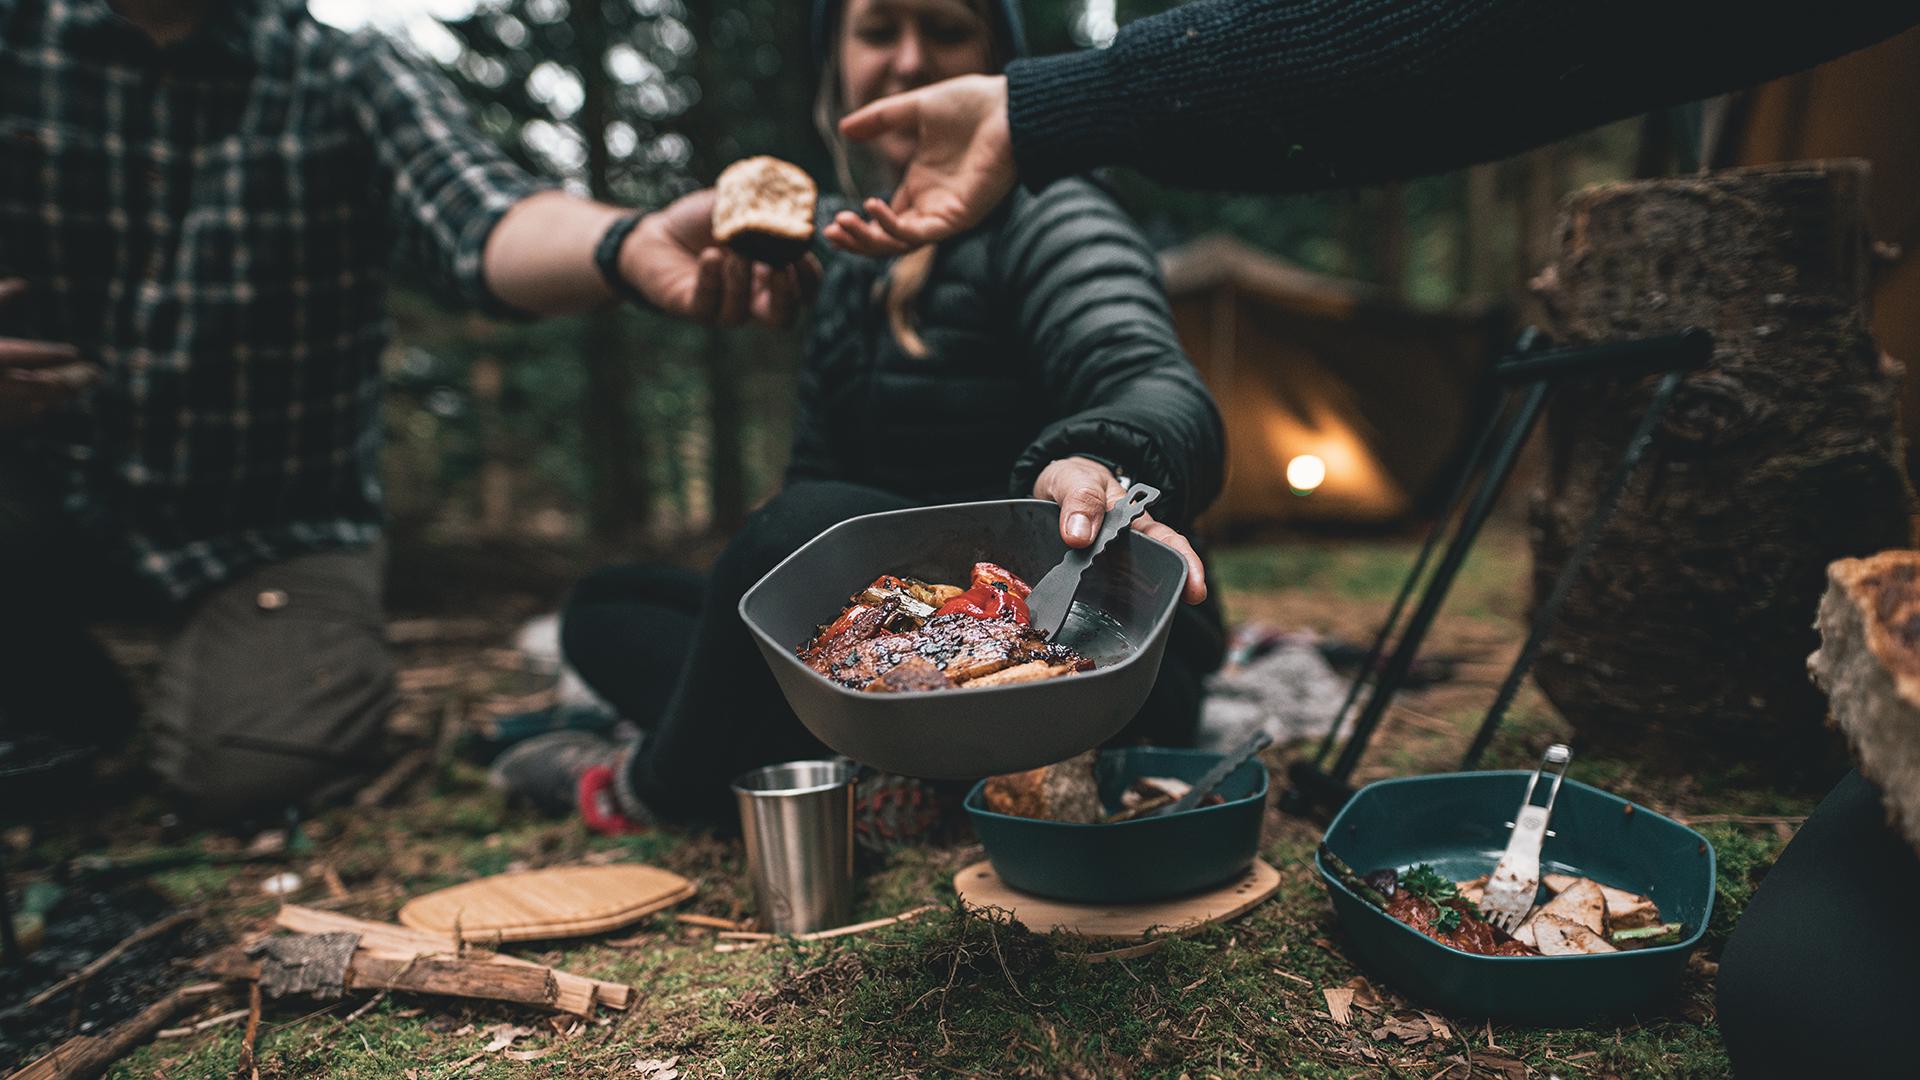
(909, 274)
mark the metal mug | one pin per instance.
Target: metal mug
(797, 818)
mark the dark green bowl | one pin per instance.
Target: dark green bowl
(1130, 861)
(1457, 823)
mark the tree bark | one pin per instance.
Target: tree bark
(1690, 628)
(618, 498)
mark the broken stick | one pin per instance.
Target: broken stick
(98, 963)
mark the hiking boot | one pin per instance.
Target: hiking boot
(891, 812)
(545, 770)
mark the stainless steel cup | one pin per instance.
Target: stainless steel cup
(798, 822)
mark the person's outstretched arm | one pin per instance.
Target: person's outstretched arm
(1288, 95)
(1092, 316)
(509, 243)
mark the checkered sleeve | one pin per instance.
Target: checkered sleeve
(446, 183)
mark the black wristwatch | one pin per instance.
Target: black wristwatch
(606, 257)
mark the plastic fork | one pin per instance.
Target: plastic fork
(1516, 880)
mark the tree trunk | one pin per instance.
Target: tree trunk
(726, 424)
(617, 497)
(1690, 628)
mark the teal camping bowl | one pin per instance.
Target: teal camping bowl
(1457, 823)
(1130, 861)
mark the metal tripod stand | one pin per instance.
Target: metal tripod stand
(1522, 381)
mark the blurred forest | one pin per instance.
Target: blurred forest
(625, 431)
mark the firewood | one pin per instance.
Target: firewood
(1869, 665)
(455, 977)
(393, 940)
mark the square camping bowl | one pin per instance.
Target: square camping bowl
(1120, 619)
(1457, 823)
(1130, 861)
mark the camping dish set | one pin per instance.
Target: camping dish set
(1455, 827)
(1580, 907)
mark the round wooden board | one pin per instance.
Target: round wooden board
(561, 901)
(979, 887)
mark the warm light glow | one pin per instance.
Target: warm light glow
(1306, 472)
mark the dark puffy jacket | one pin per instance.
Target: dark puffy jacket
(1050, 335)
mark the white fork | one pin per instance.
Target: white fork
(1516, 880)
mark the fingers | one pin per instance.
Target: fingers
(1196, 586)
(736, 291)
(851, 232)
(774, 295)
(898, 113)
(704, 306)
(21, 353)
(1081, 488)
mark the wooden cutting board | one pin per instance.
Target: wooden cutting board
(980, 888)
(562, 901)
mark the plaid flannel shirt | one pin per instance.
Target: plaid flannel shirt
(212, 223)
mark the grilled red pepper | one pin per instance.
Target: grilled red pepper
(996, 594)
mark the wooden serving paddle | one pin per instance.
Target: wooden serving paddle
(561, 901)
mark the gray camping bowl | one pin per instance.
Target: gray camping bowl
(1120, 620)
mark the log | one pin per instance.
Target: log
(1688, 632)
(455, 977)
(85, 1056)
(447, 975)
(389, 939)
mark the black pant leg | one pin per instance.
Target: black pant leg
(55, 678)
(727, 714)
(1819, 978)
(627, 631)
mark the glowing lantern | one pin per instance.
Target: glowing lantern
(1306, 472)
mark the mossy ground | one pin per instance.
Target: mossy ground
(949, 995)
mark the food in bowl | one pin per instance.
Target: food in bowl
(1582, 917)
(1070, 791)
(902, 635)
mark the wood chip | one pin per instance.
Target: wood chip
(1339, 1005)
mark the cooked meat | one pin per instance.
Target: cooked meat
(1031, 671)
(1474, 934)
(886, 627)
(913, 674)
(1066, 791)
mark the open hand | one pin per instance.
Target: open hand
(961, 169)
(1085, 489)
(672, 259)
(36, 376)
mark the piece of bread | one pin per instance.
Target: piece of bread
(1869, 665)
(763, 209)
(1066, 791)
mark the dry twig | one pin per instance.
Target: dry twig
(98, 963)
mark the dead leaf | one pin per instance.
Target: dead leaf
(1439, 1027)
(501, 1036)
(1364, 995)
(1410, 1030)
(1340, 1006)
(652, 1068)
(468, 1030)
(528, 1055)
(1500, 1065)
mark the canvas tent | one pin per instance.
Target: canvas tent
(1305, 366)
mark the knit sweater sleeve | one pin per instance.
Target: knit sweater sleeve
(1299, 94)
